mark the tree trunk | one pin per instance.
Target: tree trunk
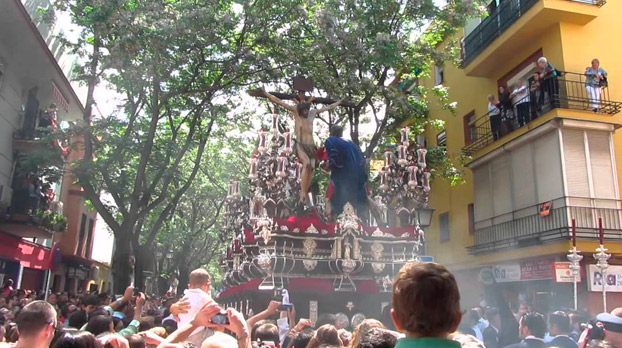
(121, 267)
(184, 273)
(143, 256)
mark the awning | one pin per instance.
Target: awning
(26, 253)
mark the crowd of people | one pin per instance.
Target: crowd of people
(525, 100)
(426, 312)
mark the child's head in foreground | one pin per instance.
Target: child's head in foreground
(426, 300)
(199, 279)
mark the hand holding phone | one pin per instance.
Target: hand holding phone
(220, 319)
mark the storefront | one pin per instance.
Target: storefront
(24, 262)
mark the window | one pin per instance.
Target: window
(439, 77)
(443, 221)
(441, 139)
(89, 241)
(470, 134)
(81, 237)
(471, 215)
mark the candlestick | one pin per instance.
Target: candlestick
(421, 152)
(263, 139)
(402, 156)
(287, 143)
(275, 122)
(253, 169)
(282, 166)
(574, 234)
(412, 175)
(298, 170)
(602, 258)
(404, 139)
(575, 259)
(601, 232)
(383, 181)
(426, 181)
(387, 158)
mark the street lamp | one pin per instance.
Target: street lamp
(424, 216)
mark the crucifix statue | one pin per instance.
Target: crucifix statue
(304, 115)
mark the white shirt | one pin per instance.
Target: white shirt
(521, 95)
(197, 299)
(493, 110)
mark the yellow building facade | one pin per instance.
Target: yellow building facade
(509, 226)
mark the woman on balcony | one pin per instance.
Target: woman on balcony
(596, 78)
(520, 98)
(495, 116)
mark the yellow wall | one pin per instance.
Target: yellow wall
(569, 47)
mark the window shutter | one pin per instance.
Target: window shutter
(602, 171)
(575, 163)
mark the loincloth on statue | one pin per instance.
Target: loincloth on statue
(308, 149)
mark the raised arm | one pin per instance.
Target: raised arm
(278, 101)
(329, 107)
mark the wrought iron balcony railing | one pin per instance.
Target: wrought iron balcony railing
(535, 228)
(491, 27)
(567, 91)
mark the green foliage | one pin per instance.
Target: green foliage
(442, 166)
(43, 162)
(51, 220)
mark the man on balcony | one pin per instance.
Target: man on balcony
(548, 82)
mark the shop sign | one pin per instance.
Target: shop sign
(486, 276)
(563, 273)
(506, 273)
(595, 279)
(537, 269)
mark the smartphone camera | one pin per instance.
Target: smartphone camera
(136, 292)
(285, 306)
(220, 319)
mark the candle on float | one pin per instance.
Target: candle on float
(287, 144)
(298, 170)
(421, 152)
(275, 123)
(574, 233)
(404, 138)
(387, 158)
(282, 166)
(401, 150)
(253, 169)
(263, 140)
(426, 181)
(412, 175)
(601, 232)
(383, 181)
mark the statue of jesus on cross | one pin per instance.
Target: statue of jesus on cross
(304, 116)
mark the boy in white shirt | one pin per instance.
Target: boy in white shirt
(197, 295)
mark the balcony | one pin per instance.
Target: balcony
(514, 24)
(32, 215)
(568, 92)
(532, 228)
